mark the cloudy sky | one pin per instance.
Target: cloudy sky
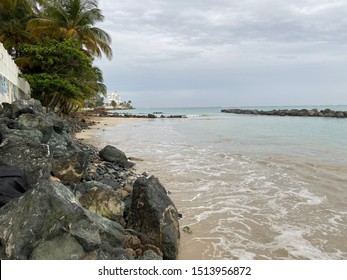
(171, 53)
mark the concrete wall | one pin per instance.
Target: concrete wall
(12, 87)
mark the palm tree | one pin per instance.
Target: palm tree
(65, 19)
(14, 16)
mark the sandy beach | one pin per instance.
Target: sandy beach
(94, 135)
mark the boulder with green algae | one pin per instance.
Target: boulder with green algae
(104, 202)
(38, 122)
(48, 212)
(62, 247)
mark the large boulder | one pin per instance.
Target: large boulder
(37, 122)
(105, 202)
(113, 154)
(154, 214)
(48, 217)
(23, 106)
(31, 157)
(68, 164)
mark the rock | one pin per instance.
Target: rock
(22, 106)
(69, 164)
(153, 213)
(187, 229)
(28, 155)
(112, 154)
(340, 115)
(110, 182)
(33, 134)
(104, 202)
(150, 255)
(38, 122)
(132, 241)
(293, 112)
(109, 253)
(62, 247)
(152, 248)
(46, 212)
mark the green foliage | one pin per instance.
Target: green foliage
(60, 74)
(113, 103)
(54, 42)
(73, 19)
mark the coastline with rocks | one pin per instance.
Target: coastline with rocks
(327, 113)
(81, 202)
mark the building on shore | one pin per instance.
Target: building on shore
(12, 87)
(114, 96)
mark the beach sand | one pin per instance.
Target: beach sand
(94, 135)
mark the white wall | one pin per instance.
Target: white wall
(12, 87)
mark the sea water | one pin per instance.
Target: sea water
(248, 187)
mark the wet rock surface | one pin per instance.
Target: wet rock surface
(82, 203)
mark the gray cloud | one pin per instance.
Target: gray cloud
(186, 48)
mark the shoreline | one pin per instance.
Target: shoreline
(93, 133)
(88, 197)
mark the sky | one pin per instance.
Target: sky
(202, 53)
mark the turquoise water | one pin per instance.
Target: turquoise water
(249, 187)
(216, 111)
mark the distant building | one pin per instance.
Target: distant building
(114, 96)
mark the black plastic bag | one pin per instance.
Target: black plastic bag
(13, 183)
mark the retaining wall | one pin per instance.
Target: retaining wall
(12, 87)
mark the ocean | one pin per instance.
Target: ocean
(248, 187)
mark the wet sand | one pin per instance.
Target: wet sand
(95, 134)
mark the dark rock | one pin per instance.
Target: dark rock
(152, 116)
(47, 213)
(83, 188)
(61, 247)
(293, 112)
(11, 124)
(110, 182)
(28, 155)
(23, 106)
(112, 154)
(69, 164)
(38, 122)
(150, 255)
(154, 214)
(340, 115)
(109, 253)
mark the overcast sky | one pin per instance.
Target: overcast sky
(171, 53)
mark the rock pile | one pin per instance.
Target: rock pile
(82, 203)
(328, 113)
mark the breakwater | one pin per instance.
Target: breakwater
(327, 113)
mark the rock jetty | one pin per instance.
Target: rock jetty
(327, 113)
(82, 203)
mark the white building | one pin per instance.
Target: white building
(114, 96)
(12, 87)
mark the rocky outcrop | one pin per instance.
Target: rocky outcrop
(81, 203)
(48, 214)
(328, 113)
(154, 214)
